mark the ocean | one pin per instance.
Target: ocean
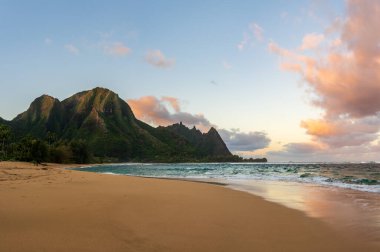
(344, 195)
(362, 176)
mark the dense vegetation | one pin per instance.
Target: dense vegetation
(98, 126)
(32, 149)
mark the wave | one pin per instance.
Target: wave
(359, 176)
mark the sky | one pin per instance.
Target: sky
(289, 80)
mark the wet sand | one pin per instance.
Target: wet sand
(357, 213)
(47, 208)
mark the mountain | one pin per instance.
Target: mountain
(109, 128)
(209, 143)
(44, 115)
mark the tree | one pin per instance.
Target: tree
(23, 148)
(5, 134)
(39, 151)
(60, 154)
(80, 151)
(51, 138)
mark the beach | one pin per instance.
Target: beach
(49, 208)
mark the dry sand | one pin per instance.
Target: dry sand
(47, 208)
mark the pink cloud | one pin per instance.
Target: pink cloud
(343, 76)
(117, 49)
(346, 76)
(311, 41)
(337, 132)
(158, 59)
(254, 31)
(155, 111)
(257, 31)
(167, 110)
(241, 46)
(173, 102)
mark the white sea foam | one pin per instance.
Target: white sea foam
(110, 173)
(362, 177)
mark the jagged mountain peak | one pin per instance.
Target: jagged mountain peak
(212, 130)
(106, 122)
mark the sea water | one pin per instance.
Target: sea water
(362, 177)
(345, 195)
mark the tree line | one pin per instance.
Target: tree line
(49, 149)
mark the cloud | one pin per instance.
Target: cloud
(174, 103)
(299, 149)
(158, 59)
(241, 46)
(257, 31)
(226, 65)
(254, 32)
(299, 152)
(242, 141)
(312, 152)
(342, 132)
(320, 128)
(167, 110)
(72, 49)
(345, 77)
(342, 72)
(116, 49)
(311, 41)
(157, 111)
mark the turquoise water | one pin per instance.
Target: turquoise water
(362, 177)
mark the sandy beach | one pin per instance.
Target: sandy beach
(48, 208)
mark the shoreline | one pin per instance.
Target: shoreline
(368, 185)
(96, 212)
(357, 221)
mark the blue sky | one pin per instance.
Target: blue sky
(212, 56)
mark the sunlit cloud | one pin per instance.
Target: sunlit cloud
(320, 128)
(72, 49)
(116, 49)
(257, 31)
(174, 102)
(343, 132)
(346, 77)
(342, 72)
(244, 42)
(167, 110)
(254, 32)
(158, 59)
(311, 41)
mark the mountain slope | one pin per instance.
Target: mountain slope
(108, 126)
(44, 114)
(209, 143)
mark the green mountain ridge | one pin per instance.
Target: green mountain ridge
(109, 128)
